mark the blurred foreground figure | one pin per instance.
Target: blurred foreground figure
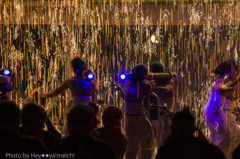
(137, 125)
(82, 89)
(34, 119)
(181, 144)
(111, 133)
(164, 89)
(11, 142)
(236, 153)
(80, 144)
(218, 112)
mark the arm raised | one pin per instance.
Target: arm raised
(146, 103)
(59, 90)
(165, 89)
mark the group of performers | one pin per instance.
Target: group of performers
(145, 132)
(138, 127)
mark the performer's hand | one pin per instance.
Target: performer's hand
(87, 71)
(153, 82)
(152, 106)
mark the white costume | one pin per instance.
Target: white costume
(164, 118)
(138, 130)
(224, 131)
(232, 125)
(76, 100)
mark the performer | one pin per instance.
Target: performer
(5, 85)
(224, 131)
(137, 126)
(163, 88)
(82, 89)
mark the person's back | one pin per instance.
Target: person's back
(164, 89)
(46, 137)
(182, 144)
(83, 147)
(189, 147)
(82, 89)
(137, 126)
(33, 120)
(11, 142)
(80, 143)
(80, 86)
(135, 91)
(111, 132)
(134, 94)
(14, 143)
(114, 139)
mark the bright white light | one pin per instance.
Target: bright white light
(6, 72)
(122, 76)
(153, 38)
(90, 76)
(156, 41)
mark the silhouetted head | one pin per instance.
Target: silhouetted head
(227, 68)
(156, 67)
(183, 122)
(33, 115)
(9, 116)
(140, 72)
(93, 109)
(111, 116)
(80, 119)
(94, 106)
(79, 65)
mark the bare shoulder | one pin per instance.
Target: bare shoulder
(69, 79)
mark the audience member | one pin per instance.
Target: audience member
(33, 120)
(50, 126)
(183, 145)
(14, 145)
(111, 132)
(97, 114)
(80, 142)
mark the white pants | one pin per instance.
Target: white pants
(164, 120)
(139, 130)
(76, 100)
